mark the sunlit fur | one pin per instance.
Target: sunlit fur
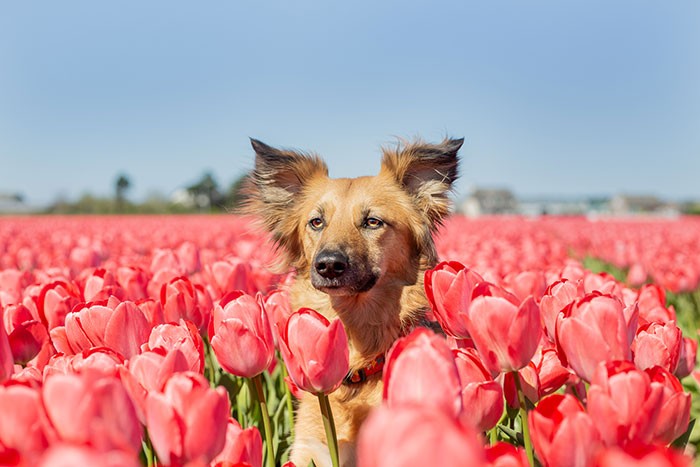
(286, 190)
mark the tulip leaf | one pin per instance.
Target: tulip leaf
(682, 440)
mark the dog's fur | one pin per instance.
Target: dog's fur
(377, 231)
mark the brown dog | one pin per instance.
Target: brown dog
(360, 248)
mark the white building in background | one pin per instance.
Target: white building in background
(631, 205)
(488, 201)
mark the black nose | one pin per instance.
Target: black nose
(331, 264)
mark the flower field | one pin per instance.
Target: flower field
(168, 341)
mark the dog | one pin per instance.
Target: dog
(360, 248)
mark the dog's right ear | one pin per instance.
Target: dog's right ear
(275, 184)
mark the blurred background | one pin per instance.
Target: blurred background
(577, 107)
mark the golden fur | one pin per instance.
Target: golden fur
(382, 225)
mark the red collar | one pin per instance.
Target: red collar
(361, 375)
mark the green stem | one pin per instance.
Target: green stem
(290, 403)
(523, 419)
(257, 381)
(493, 435)
(148, 450)
(328, 424)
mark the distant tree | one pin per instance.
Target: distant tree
(122, 186)
(206, 192)
(235, 194)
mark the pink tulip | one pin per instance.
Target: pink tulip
(594, 330)
(100, 284)
(505, 335)
(315, 351)
(529, 383)
(134, 281)
(420, 369)
(481, 395)
(557, 296)
(90, 410)
(12, 283)
(563, 433)
(119, 326)
(623, 403)
(21, 424)
(658, 344)
(187, 422)
(150, 371)
(415, 436)
(687, 357)
(7, 364)
(652, 305)
(242, 447)
(180, 300)
(55, 301)
(675, 407)
(183, 337)
(232, 274)
(448, 287)
(526, 283)
(241, 336)
(67, 455)
(279, 309)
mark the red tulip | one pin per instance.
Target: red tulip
(87, 409)
(526, 283)
(623, 403)
(481, 395)
(187, 422)
(505, 335)
(448, 287)
(315, 351)
(557, 296)
(229, 275)
(279, 309)
(7, 363)
(134, 281)
(642, 455)
(652, 305)
(420, 369)
(658, 344)
(100, 284)
(505, 455)
(241, 336)
(563, 433)
(594, 330)
(12, 283)
(675, 406)
(242, 447)
(55, 301)
(417, 436)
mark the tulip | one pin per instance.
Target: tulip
(100, 284)
(420, 369)
(658, 344)
(557, 296)
(55, 301)
(134, 281)
(316, 354)
(687, 357)
(623, 403)
(675, 406)
(88, 409)
(563, 433)
(505, 455)
(232, 274)
(241, 336)
(448, 287)
(187, 421)
(279, 309)
(21, 425)
(652, 305)
(526, 283)
(67, 455)
(642, 455)
(7, 364)
(505, 335)
(594, 330)
(416, 436)
(481, 395)
(315, 351)
(184, 337)
(242, 447)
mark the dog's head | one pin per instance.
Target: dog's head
(348, 235)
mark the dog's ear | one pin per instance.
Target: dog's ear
(426, 172)
(275, 184)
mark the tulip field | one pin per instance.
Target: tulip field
(168, 340)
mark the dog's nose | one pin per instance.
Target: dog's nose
(331, 264)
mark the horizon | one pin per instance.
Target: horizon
(553, 100)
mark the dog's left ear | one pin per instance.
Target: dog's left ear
(426, 171)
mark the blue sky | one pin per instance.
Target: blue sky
(556, 98)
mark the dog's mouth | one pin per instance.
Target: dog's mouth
(339, 286)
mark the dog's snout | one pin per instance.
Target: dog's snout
(331, 264)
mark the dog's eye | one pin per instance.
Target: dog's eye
(373, 223)
(316, 223)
